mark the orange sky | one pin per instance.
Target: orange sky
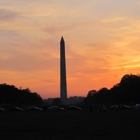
(101, 37)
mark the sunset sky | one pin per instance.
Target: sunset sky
(102, 39)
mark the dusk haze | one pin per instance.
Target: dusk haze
(101, 36)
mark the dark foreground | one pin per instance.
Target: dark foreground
(74, 125)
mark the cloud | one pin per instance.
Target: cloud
(7, 15)
(28, 62)
(51, 80)
(116, 19)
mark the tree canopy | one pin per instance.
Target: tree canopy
(127, 91)
(9, 94)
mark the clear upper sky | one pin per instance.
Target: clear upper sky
(102, 40)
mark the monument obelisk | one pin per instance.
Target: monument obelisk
(63, 82)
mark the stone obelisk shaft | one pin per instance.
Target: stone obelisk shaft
(63, 82)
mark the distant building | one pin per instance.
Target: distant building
(48, 101)
(75, 100)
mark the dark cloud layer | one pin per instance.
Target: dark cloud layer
(7, 15)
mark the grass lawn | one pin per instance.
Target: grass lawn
(73, 125)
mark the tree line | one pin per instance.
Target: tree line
(11, 95)
(127, 91)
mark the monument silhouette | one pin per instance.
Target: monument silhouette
(63, 82)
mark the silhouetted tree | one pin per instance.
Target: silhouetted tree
(89, 99)
(125, 92)
(116, 95)
(103, 95)
(9, 94)
(130, 85)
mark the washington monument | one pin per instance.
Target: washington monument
(63, 82)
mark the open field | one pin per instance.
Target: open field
(74, 125)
